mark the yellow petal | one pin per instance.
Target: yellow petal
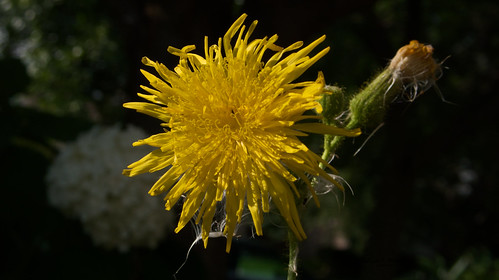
(321, 128)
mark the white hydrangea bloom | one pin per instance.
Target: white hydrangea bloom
(86, 181)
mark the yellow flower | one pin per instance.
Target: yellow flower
(232, 125)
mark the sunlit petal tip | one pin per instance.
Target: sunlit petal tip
(146, 61)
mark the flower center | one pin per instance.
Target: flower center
(235, 120)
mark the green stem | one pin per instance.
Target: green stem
(331, 144)
(293, 256)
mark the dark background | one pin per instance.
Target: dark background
(426, 188)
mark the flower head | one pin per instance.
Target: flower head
(232, 126)
(415, 67)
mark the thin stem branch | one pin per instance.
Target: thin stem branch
(293, 256)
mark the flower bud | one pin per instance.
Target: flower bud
(415, 67)
(333, 103)
(411, 71)
(414, 61)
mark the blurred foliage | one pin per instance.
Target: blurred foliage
(476, 263)
(71, 53)
(425, 203)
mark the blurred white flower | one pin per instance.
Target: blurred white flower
(86, 181)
